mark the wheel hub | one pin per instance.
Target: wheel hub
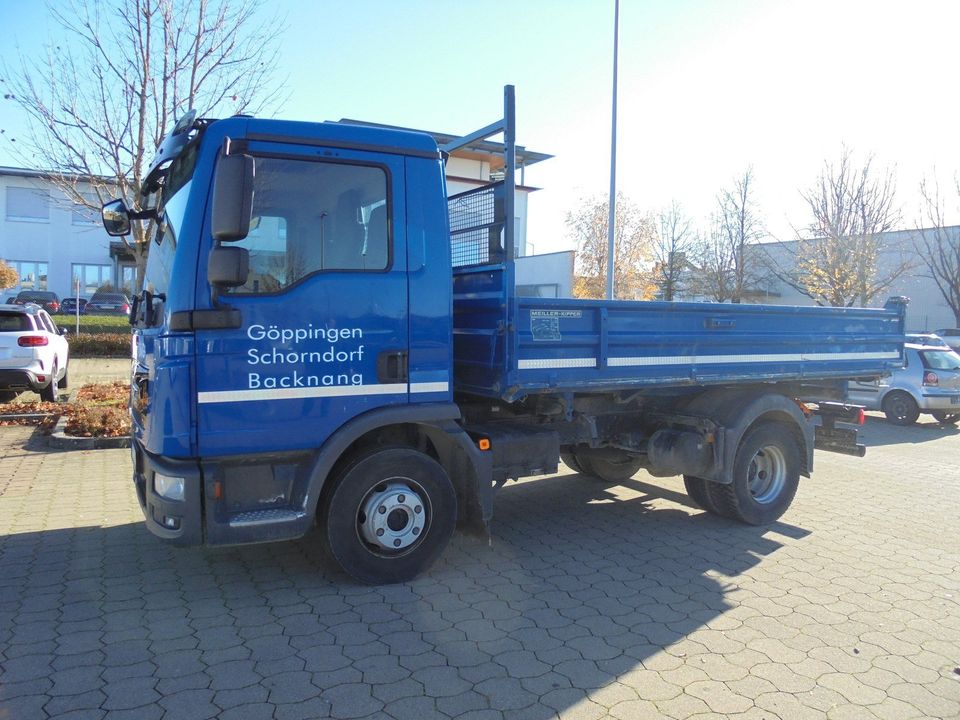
(768, 474)
(392, 517)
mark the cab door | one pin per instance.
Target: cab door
(323, 333)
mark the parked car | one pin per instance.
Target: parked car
(928, 383)
(928, 339)
(49, 301)
(33, 352)
(108, 303)
(68, 306)
(951, 336)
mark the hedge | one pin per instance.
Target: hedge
(94, 324)
(104, 345)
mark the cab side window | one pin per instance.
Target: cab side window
(311, 217)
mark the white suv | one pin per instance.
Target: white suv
(33, 352)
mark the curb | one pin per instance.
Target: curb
(59, 439)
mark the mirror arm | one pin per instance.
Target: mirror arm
(148, 214)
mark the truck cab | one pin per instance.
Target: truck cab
(334, 314)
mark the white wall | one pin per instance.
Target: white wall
(927, 311)
(547, 269)
(58, 241)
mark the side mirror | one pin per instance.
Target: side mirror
(232, 197)
(116, 218)
(228, 266)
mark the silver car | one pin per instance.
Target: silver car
(928, 383)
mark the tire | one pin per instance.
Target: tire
(570, 460)
(607, 465)
(7, 395)
(766, 474)
(900, 408)
(62, 384)
(389, 515)
(698, 490)
(945, 417)
(51, 393)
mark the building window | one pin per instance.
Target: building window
(543, 290)
(85, 214)
(90, 278)
(128, 279)
(30, 204)
(33, 275)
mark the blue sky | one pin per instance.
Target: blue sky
(706, 88)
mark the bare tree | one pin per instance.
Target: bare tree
(100, 102)
(713, 260)
(727, 266)
(836, 260)
(939, 246)
(633, 240)
(671, 250)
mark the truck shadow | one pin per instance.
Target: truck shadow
(581, 587)
(878, 431)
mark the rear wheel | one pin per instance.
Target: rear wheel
(51, 393)
(946, 418)
(900, 408)
(698, 490)
(570, 460)
(7, 396)
(389, 515)
(608, 465)
(766, 473)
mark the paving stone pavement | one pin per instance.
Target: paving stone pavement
(591, 601)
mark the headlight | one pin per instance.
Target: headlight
(168, 487)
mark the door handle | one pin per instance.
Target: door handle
(392, 366)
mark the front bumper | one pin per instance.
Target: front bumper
(176, 521)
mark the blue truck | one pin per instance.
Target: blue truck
(325, 338)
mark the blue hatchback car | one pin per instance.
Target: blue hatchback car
(68, 306)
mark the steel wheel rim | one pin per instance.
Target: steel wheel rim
(394, 516)
(767, 474)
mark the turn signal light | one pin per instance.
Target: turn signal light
(32, 340)
(483, 444)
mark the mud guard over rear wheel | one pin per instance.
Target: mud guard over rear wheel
(766, 474)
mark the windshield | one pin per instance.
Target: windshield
(160, 260)
(940, 359)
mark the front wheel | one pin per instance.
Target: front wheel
(900, 408)
(766, 474)
(389, 515)
(946, 418)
